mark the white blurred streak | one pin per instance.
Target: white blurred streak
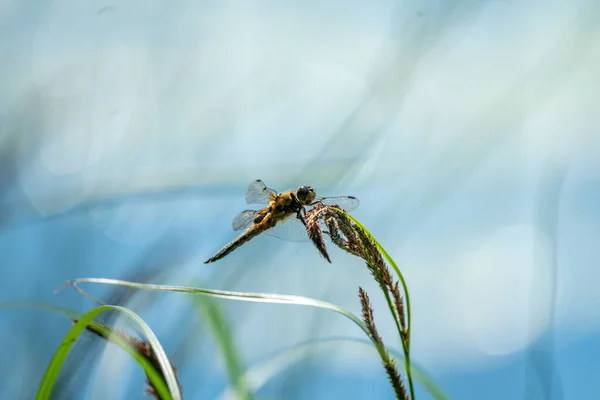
(474, 302)
(92, 75)
(67, 189)
(498, 311)
(135, 224)
(482, 87)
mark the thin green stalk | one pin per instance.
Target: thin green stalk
(405, 346)
(394, 266)
(219, 327)
(393, 311)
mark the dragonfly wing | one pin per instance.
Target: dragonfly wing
(244, 220)
(259, 193)
(290, 229)
(347, 203)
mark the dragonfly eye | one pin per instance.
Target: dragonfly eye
(305, 194)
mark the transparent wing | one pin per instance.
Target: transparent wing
(347, 203)
(290, 229)
(244, 220)
(259, 193)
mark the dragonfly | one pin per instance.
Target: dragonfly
(283, 217)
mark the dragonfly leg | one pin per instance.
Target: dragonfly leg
(301, 215)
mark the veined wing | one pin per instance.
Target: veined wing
(259, 193)
(244, 220)
(290, 229)
(347, 203)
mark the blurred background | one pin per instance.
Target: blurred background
(468, 130)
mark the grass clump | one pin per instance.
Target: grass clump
(138, 347)
(160, 373)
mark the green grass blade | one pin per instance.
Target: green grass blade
(394, 266)
(141, 359)
(406, 345)
(168, 391)
(219, 327)
(161, 356)
(230, 295)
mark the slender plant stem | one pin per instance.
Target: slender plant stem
(393, 311)
(405, 344)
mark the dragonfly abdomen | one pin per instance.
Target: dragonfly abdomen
(249, 234)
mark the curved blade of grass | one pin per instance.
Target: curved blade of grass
(168, 391)
(230, 295)
(261, 374)
(405, 345)
(394, 266)
(75, 315)
(214, 317)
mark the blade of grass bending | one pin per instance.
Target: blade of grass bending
(394, 266)
(390, 261)
(131, 345)
(217, 323)
(258, 376)
(161, 356)
(168, 391)
(230, 295)
(72, 314)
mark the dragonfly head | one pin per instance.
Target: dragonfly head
(305, 194)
